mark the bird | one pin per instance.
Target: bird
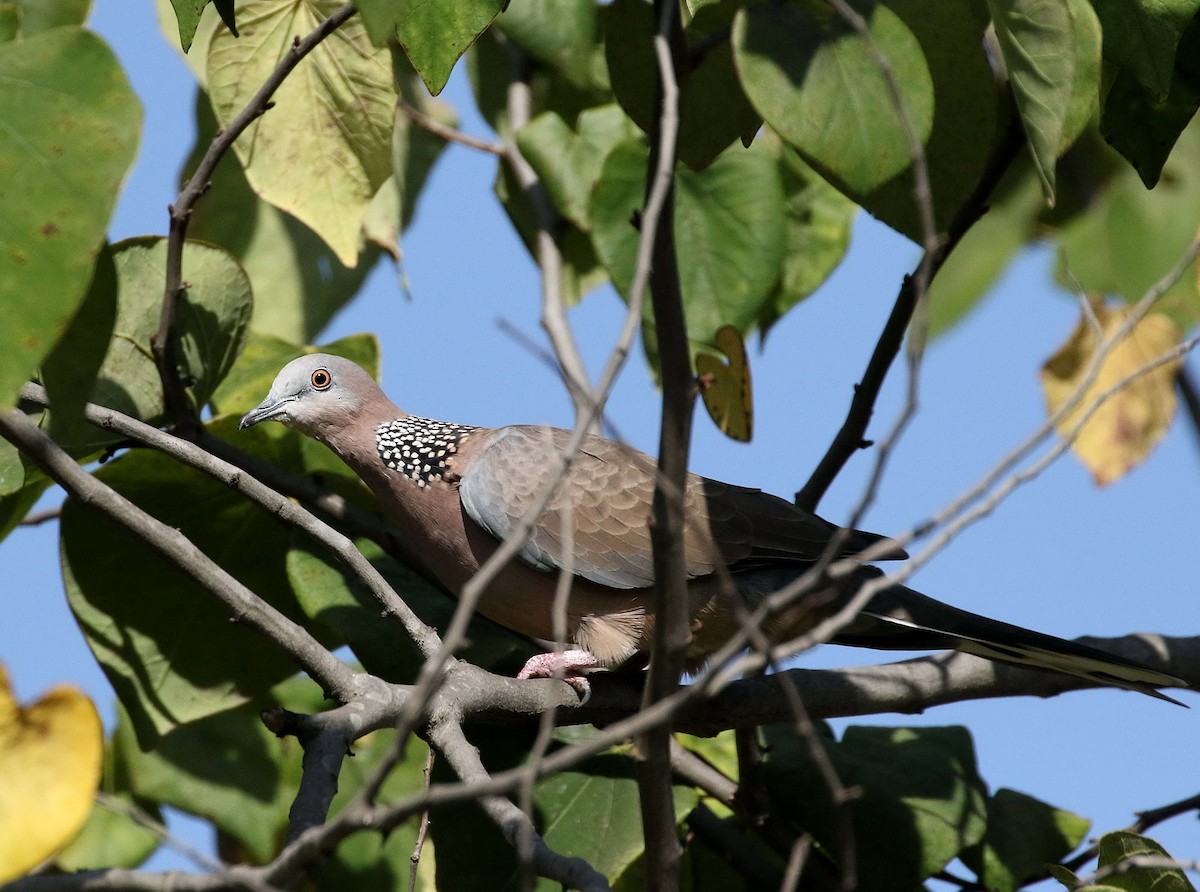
(453, 492)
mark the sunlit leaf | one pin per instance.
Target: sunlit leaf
(1115, 847)
(324, 150)
(1127, 426)
(49, 767)
(1023, 834)
(433, 35)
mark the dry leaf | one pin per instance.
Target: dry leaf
(1126, 427)
(50, 756)
(726, 388)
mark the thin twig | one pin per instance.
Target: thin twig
(414, 859)
(448, 133)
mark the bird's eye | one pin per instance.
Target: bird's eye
(321, 379)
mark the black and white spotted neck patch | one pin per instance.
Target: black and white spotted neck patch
(419, 448)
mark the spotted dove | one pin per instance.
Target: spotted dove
(454, 492)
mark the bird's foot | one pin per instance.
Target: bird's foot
(566, 665)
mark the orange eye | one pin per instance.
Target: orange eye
(321, 379)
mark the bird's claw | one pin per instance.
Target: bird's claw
(566, 665)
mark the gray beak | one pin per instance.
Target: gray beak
(265, 411)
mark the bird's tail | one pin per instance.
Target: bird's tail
(899, 618)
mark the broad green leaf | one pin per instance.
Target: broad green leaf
(187, 17)
(433, 35)
(212, 317)
(729, 233)
(1037, 39)
(817, 220)
(298, 280)
(1124, 843)
(976, 263)
(966, 117)
(1130, 236)
(713, 109)
(1144, 125)
(592, 812)
(324, 150)
(69, 372)
(1085, 93)
(1141, 36)
(922, 800)
(113, 835)
(1126, 427)
(560, 34)
(70, 132)
(12, 470)
(50, 754)
(812, 78)
(35, 16)
(167, 645)
(569, 160)
(1023, 835)
(330, 594)
(227, 768)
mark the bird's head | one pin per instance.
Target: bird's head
(315, 393)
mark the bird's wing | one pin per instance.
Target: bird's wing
(607, 495)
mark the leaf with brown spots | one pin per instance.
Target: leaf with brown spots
(1128, 424)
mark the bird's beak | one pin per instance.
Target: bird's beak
(264, 411)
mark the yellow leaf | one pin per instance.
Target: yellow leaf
(1127, 426)
(726, 388)
(50, 756)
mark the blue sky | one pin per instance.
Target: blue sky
(1059, 556)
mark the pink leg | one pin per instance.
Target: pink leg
(565, 665)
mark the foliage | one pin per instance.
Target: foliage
(1055, 117)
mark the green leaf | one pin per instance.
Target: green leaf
(729, 233)
(298, 281)
(1141, 36)
(569, 160)
(212, 317)
(167, 645)
(70, 371)
(1129, 237)
(1023, 835)
(187, 16)
(559, 34)
(12, 470)
(1123, 844)
(433, 35)
(227, 768)
(16, 505)
(713, 109)
(32, 17)
(922, 800)
(330, 594)
(113, 836)
(812, 78)
(818, 219)
(324, 150)
(70, 132)
(1144, 125)
(975, 265)
(1037, 39)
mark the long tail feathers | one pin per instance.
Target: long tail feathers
(899, 618)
